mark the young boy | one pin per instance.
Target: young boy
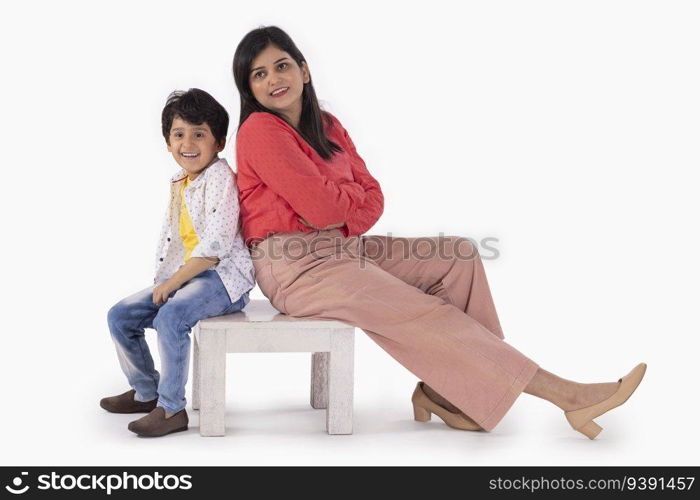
(200, 230)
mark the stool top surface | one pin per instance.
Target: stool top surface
(262, 312)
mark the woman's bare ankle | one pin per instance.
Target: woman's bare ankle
(567, 394)
(559, 391)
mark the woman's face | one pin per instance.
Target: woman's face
(277, 82)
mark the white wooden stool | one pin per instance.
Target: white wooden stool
(261, 328)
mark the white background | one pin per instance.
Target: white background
(567, 130)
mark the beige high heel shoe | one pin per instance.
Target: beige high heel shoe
(423, 406)
(582, 419)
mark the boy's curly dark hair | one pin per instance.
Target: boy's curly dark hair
(196, 107)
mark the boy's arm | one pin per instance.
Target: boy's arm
(192, 268)
(217, 239)
(221, 215)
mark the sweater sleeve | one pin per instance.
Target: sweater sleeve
(367, 214)
(272, 151)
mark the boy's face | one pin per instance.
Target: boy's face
(193, 146)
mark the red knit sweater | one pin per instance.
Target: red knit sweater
(280, 177)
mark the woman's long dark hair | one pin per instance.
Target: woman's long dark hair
(311, 121)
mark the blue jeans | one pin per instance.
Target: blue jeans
(204, 296)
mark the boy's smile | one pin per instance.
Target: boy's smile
(194, 147)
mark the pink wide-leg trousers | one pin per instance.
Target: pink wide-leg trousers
(425, 301)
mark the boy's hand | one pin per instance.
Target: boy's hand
(331, 226)
(185, 273)
(163, 291)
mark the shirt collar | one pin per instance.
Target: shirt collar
(183, 173)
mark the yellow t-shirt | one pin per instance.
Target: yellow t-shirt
(187, 232)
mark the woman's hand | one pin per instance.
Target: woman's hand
(163, 291)
(331, 226)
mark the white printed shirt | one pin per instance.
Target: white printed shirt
(212, 202)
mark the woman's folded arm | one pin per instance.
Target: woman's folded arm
(271, 150)
(367, 214)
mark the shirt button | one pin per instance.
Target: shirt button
(161, 259)
(168, 239)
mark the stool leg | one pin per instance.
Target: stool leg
(341, 381)
(319, 380)
(212, 369)
(195, 368)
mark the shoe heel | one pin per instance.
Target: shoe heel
(420, 414)
(590, 429)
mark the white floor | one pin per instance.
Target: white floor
(269, 420)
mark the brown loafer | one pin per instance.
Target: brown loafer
(125, 403)
(155, 424)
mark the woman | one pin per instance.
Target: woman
(307, 198)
